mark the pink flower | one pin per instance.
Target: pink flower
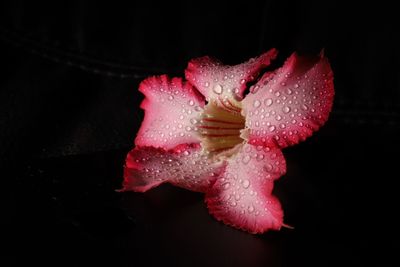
(203, 135)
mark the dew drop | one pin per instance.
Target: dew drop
(304, 107)
(226, 185)
(191, 102)
(269, 167)
(246, 184)
(218, 89)
(256, 103)
(250, 208)
(247, 149)
(242, 81)
(289, 91)
(255, 89)
(268, 102)
(188, 128)
(193, 121)
(272, 128)
(260, 157)
(296, 85)
(206, 84)
(171, 97)
(278, 117)
(286, 109)
(246, 159)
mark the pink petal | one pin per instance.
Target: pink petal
(241, 197)
(220, 82)
(183, 166)
(171, 109)
(291, 103)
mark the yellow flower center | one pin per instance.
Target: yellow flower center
(221, 126)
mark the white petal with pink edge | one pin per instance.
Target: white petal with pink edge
(242, 196)
(171, 109)
(225, 84)
(291, 103)
(184, 166)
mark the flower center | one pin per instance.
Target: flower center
(221, 126)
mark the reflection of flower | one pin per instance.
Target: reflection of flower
(204, 136)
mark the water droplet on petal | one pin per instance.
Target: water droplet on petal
(242, 81)
(268, 102)
(206, 84)
(171, 97)
(226, 185)
(246, 159)
(256, 103)
(193, 121)
(250, 208)
(260, 157)
(246, 183)
(304, 107)
(289, 91)
(296, 85)
(254, 89)
(286, 109)
(191, 102)
(217, 89)
(272, 128)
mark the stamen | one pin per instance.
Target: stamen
(221, 121)
(221, 126)
(228, 108)
(218, 128)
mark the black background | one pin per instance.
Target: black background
(69, 110)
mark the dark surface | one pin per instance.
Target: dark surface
(341, 203)
(69, 110)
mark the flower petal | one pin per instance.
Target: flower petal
(183, 166)
(241, 197)
(171, 106)
(291, 103)
(225, 84)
